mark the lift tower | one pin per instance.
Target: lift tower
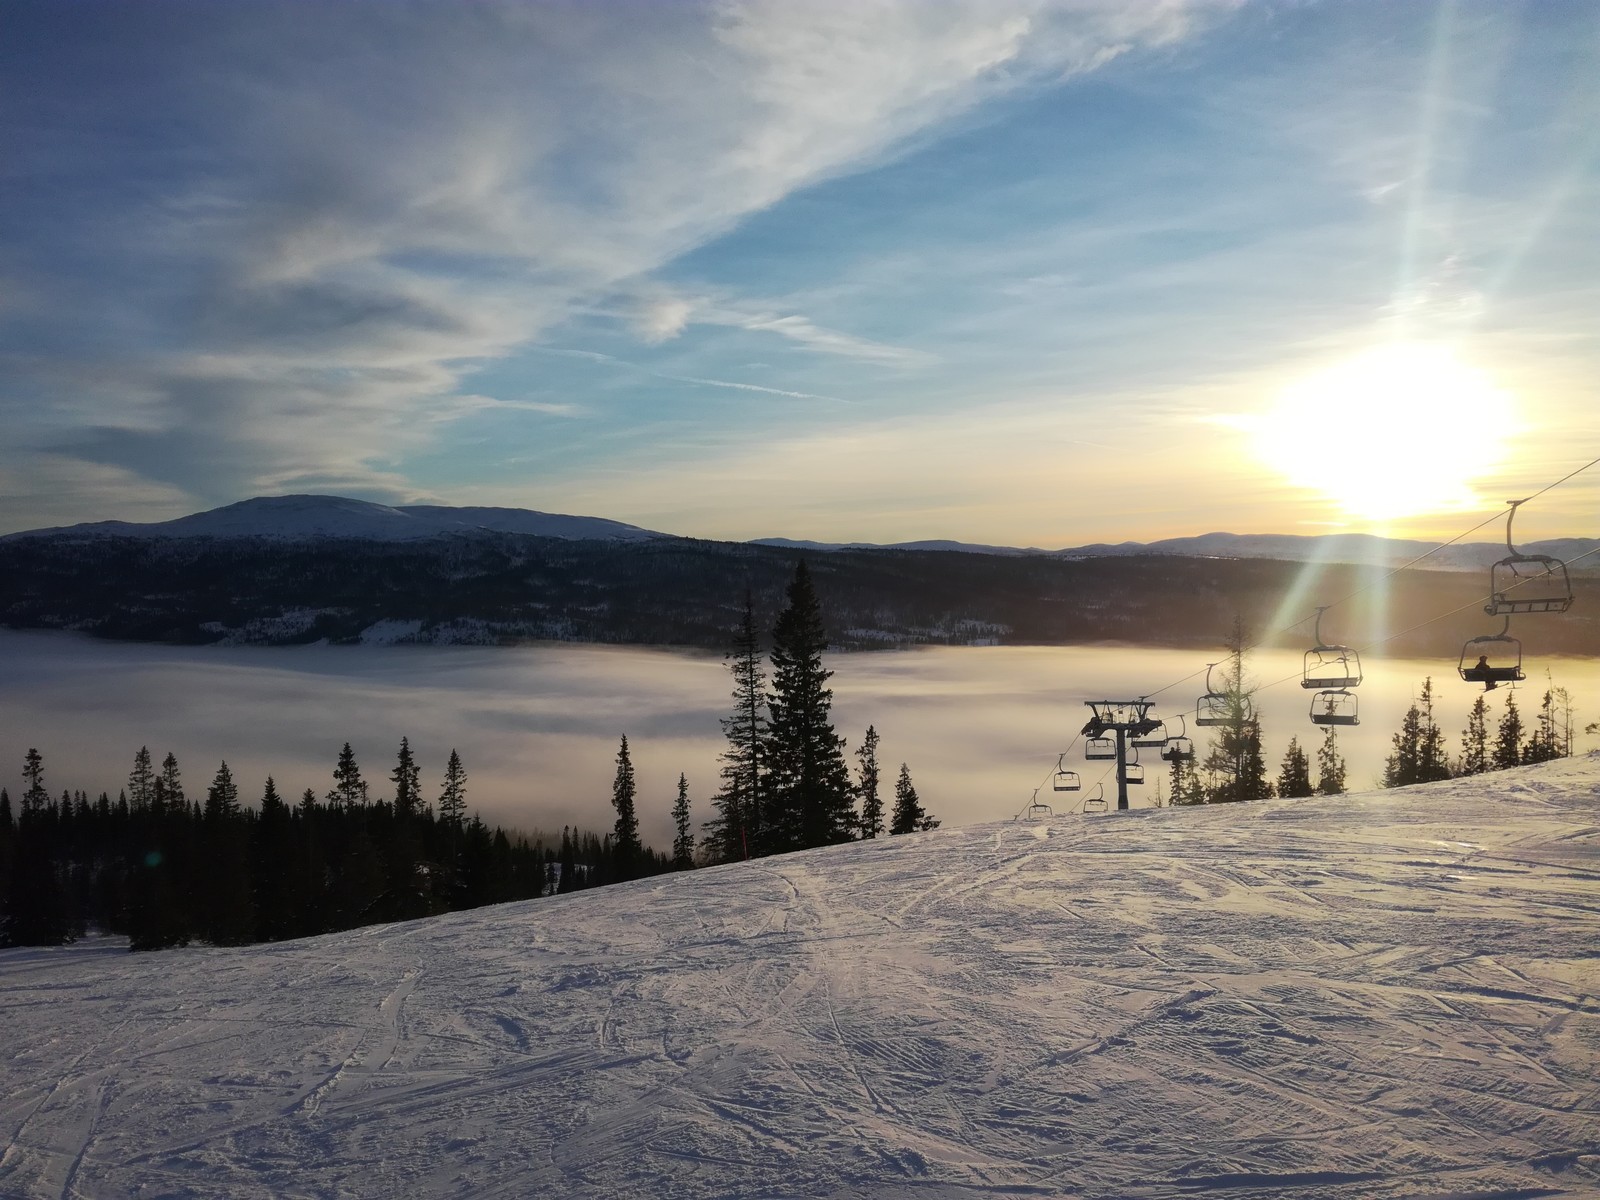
(1124, 718)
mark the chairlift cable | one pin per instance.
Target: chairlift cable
(1442, 545)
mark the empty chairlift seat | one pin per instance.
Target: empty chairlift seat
(1099, 749)
(1335, 707)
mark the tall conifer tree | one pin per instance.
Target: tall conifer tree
(809, 791)
(1475, 739)
(867, 786)
(625, 834)
(683, 840)
(737, 806)
(1330, 765)
(1294, 775)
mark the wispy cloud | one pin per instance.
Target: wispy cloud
(301, 224)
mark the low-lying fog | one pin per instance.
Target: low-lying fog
(537, 726)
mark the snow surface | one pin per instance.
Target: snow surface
(1391, 994)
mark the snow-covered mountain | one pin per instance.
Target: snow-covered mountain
(1385, 995)
(300, 517)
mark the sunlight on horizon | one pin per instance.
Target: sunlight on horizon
(1396, 431)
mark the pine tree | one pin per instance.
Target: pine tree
(349, 789)
(171, 783)
(1403, 767)
(871, 821)
(1236, 768)
(1294, 775)
(1475, 739)
(407, 779)
(1433, 762)
(909, 815)
(1184, 783)
(36, 796)
(625, 834)
(1330, 765)
(809, 795)
(141, 781)
(1508, 742)
(453, 795)
(1545, 742)
(738, 803)
(222, 797)
(683, 842)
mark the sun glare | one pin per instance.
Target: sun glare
(1394, 432)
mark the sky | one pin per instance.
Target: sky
(1009, 271)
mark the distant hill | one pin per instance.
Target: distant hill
(291, 517)
(301, 517)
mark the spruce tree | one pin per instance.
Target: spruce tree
(1403, 767)
(1184, 783)
(171, 783)
(736, 825)
(871, 819)
(453, 795)
(1508, 741)
(227, 913)
(1294, 775)
(407, 779)
(909, 815)
(625, 834)
(36, 796)
(809, 795)
(1236, 768)
(1433, 762)
(1475, 739)
(1330, 765)
(349, 789)
(1545, 743)
(141, 781)
(683, 841)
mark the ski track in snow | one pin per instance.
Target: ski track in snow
(1394, 994)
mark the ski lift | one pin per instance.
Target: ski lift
(1220, 708)
(1095, 802)
(1527, 583)
(1037, 808)
(1153, 740)
(1178, 748)
(1098, 749)
(1335, 707)
(1065, 780)
(1330, 666)
(1493, 659)
(1133, 772)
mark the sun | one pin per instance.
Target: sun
(1396, 431)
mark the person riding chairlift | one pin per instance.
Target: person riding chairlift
(1481, 672)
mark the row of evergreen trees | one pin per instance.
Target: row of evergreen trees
(785, 784)
(165, 869)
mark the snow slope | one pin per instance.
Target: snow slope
(1392, 994)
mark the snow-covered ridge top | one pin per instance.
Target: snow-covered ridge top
(1349, 998)
(301, 517)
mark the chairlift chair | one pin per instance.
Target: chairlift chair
(1493, 659)
(1038, 808)
(1330, 666)
(1065, 780)
(1095, 802)
(1153, 740)
(1335, 706)
(1133, 773)
(1527, 583)
(1221, 708)
(1178, 748)
(1098, 749)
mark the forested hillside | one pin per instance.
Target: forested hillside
(504, 588)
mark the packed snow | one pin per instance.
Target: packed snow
(1382, 995)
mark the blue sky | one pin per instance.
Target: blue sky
(1009, 271)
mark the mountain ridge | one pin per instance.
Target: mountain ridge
(303, 516)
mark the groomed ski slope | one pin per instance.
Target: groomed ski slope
(1391, 994)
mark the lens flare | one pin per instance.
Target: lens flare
(1393, 432)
